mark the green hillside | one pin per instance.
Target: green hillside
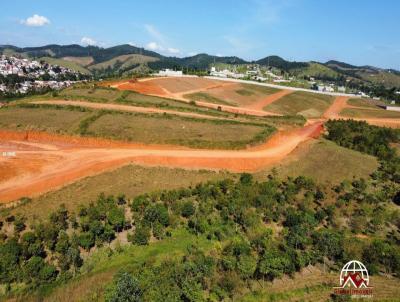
(316, 70)
(65, 63)
(123, 63)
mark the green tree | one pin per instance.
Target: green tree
(124, 288)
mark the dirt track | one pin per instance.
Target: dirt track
(128, 108)
(75, 161)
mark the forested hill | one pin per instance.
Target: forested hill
(125, 59)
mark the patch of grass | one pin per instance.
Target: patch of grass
(361, 103)
(244, 92)
(136, 99)
(123, 62)
(67, 64)
(259, 89)
(310, 105)
(205, 97)
(168, 129)
(131, 180)
(85, 123)
(369, 113)
(98, 93)
(55, 120)
(102, 265)
(326, 162)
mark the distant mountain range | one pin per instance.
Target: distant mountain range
(125, 59)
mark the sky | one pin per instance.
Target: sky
(360, 32)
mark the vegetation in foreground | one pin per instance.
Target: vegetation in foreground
(256, 232)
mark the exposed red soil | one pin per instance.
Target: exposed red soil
(337, 106)
(80, 161)
(269, 99)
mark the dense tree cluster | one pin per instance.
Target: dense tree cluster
(260, 230)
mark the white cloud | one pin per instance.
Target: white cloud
(88, 41)
(192, 53)
(36, 20)
(173, 51)
(154, 46)
(132, 43)
(160, 42)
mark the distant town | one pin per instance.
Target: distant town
(23, 76)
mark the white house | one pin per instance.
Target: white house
(170, 73)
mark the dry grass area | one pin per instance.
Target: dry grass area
(235, 94)
(174, 130)
(80, 60)
(369, 113)
(44, 119)
(130, 180)
(101, 94)
(125, 61)
(365, 103)
(326, 162)
(310, 105)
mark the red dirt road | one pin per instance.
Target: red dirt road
(75, 161)
(128, 108)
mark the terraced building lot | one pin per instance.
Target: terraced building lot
(176, 85)
(135, 127)
(310, 105)
(234, 94)
(178, 131)
(109, 95)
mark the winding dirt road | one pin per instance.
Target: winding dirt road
(67, 163)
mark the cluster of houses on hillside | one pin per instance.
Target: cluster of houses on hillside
(20, 75)
(252, 72)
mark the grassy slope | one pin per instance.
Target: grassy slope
(160, 129)
(84, 61)
(205, 97)
(361, 103)
(51, 120)
(106, 95)
(369, 113)
(68, 64)
(126, 60)
(100, 269)
(385, 78)
(327, 162)
(316, 70)
(154, 128)
(131, 180)
(304, 103)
